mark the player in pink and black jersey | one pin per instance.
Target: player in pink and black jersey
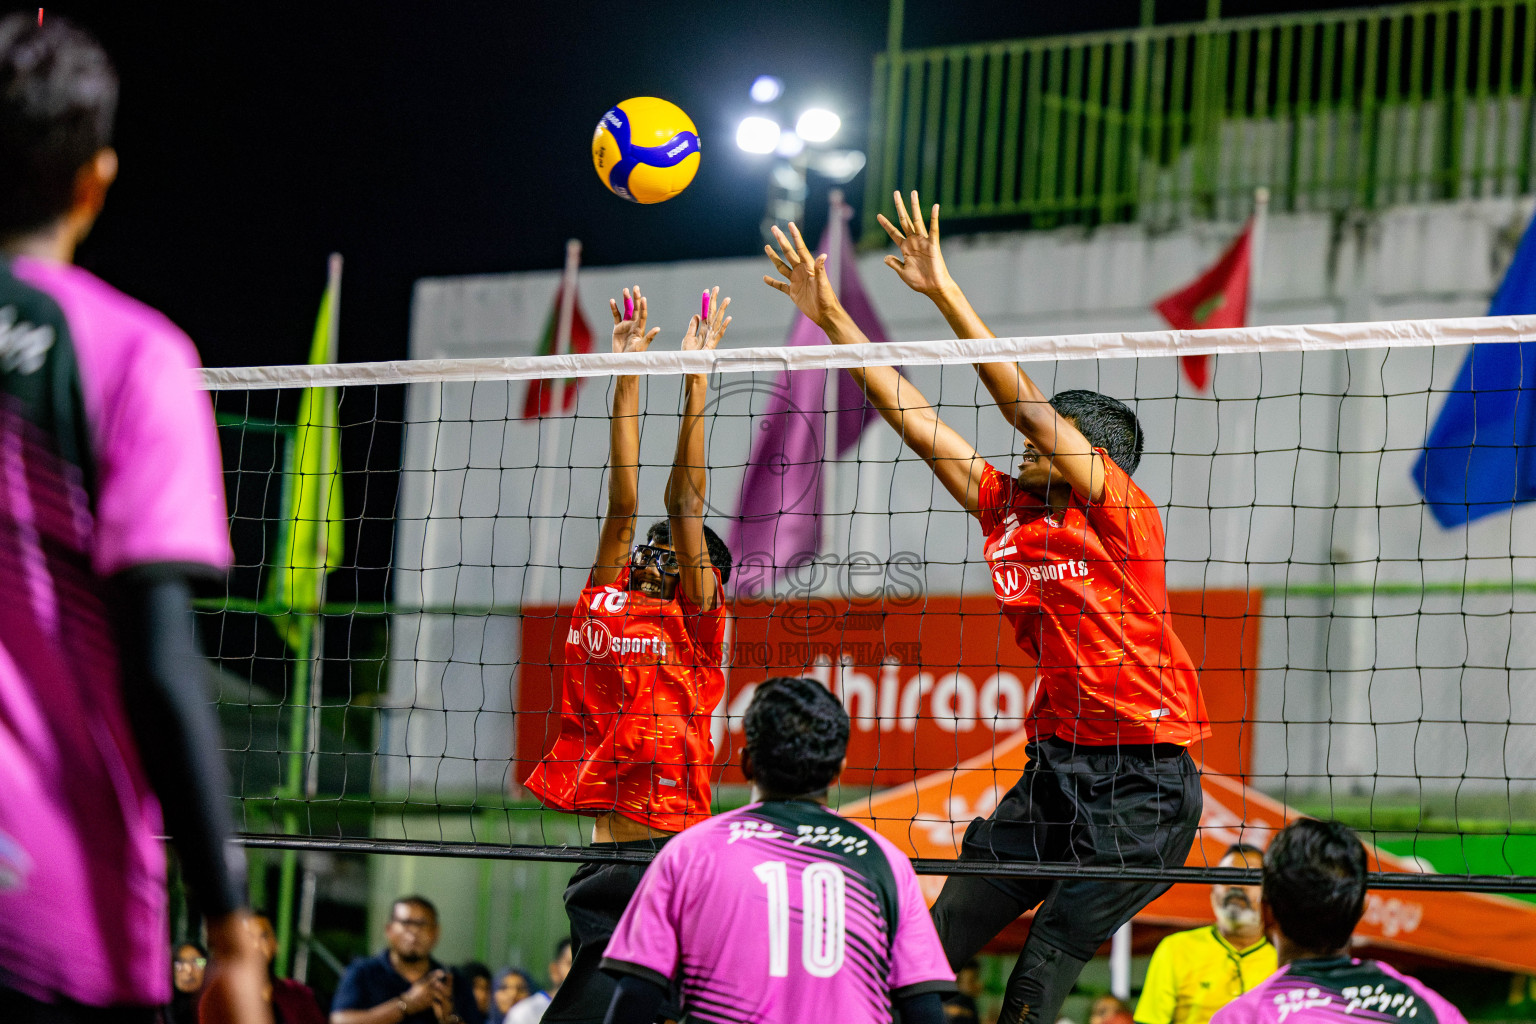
(781, 911)
(112, 503)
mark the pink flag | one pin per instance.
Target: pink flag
(778, 519)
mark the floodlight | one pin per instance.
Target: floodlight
(818, 124)
(757, 134)
(766, 88)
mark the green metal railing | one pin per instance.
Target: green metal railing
(1346, 109)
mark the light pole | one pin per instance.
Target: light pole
(796, 152)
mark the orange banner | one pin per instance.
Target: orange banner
(929, 682)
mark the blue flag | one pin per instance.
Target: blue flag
(1480, 456)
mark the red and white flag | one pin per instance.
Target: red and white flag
(1217, 298)
(540, 397)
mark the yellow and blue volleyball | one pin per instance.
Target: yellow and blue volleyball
(646, 150)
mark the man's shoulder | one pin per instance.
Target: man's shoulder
(374, 965)
(1192, 938)
(1252, 1006)
(78, 291)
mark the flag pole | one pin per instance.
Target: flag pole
(1256, 247)
(317, 646)
(1235, 545)
(304, 731)
(549, 440)
(832, 416)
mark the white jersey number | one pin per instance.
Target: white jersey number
(824, 902)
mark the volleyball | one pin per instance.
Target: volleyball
(646, 150)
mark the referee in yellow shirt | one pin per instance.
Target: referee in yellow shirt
(1195, 973)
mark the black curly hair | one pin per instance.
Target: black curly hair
(719, 555)
(1314, 883)
(797, 736)
(58, 100)
(1107, 423)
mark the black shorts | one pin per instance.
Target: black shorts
(594, 901)
(1131, 805)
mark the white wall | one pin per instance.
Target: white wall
(1296, 473)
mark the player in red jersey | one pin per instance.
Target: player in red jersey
(643, 668)
(1077, 559)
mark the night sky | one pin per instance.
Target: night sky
(452, 137)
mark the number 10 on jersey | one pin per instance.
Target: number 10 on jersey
(823, 906)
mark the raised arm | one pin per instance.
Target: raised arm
(897, 399)
(686, 485)
(921, 266)
(617, 535)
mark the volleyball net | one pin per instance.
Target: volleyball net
(1358, 659)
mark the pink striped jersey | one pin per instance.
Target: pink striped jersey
(1338, 990)
(108, 460)
(781, 912)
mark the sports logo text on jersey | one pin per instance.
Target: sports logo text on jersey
(752, 829)
(598, 641)
(595, 638)
(831, 838)
(1012, 580)
(23, 345)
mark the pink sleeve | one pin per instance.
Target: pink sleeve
(647, 937)
(1247, 1009)
(160, 485)
(918, 963)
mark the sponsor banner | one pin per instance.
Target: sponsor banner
(929, 682)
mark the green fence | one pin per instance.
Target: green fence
(1346, 109)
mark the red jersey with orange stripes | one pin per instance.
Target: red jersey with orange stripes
(641, 679)
(1084, 590)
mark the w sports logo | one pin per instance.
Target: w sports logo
(1012, 580)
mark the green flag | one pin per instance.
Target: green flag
(310, 540)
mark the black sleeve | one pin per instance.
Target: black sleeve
(635, 1001)
(923, 1008)
(165, 690)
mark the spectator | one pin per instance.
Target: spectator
(403, 984)
(513, 985)
(292, 1002)
(1108, 1009)
(1313, 896)
(960, 1008)
(531, 1010)
(479, 977)
(189, 965)
(1195, 973)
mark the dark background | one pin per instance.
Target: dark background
(422, 139)
(452, 137)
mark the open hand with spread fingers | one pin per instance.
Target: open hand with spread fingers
(920, 264)
(629, 333)
(805, 278)
(706, 334)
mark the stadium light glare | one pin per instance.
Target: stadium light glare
(766, 89)
(790, 145)
(758, 134)
(818, 124)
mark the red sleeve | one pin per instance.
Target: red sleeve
(706, 628)
(1124, 517)
(994, 497)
